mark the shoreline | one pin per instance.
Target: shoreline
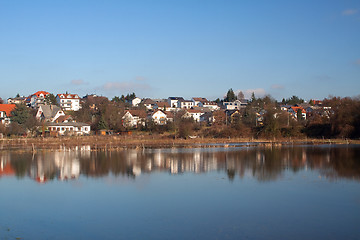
(111, 143)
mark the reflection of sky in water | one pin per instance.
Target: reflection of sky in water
(273, 199)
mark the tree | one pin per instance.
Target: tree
(20, 114)
(50, 99)
(1, 101)
(253, 98)
(230, 96)
(240, 95)
(102, 124)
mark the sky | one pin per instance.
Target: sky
(188, 48)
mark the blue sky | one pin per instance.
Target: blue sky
(180, 48)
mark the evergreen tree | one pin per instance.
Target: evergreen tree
(102, 123)
(50, 99)
(20, 114)
(230, 96)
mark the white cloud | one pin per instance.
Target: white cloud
(277, 86)
(78, 82)
(349, 12)
(125, 86)
(259, 92)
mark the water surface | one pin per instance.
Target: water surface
(302, 192)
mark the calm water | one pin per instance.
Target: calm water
(218, 193)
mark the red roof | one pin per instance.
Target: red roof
(7, 108)
(68, 96)
(41, 92)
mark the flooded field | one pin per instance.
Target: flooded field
(291, 192)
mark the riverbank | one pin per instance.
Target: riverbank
(101, 143)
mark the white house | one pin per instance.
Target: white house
(134, 118)
(165, 106)
(5, 113)
(68, 102)
(49, 113)
(71, 128)
(187, 104)
(173, 101)
(159, 117)
(210, 105)
(237, 104)
(198, 101)
(135, 102)
(148, 103)
(195, 114)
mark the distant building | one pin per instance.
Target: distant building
(49, 113)
(198, 101)
(37, 98)
(187, 104)
(5, 113)
(68, 102)
(173, 101)
(71, 128)
(16, 100)
(237, 104)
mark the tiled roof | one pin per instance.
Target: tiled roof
(7, 108)
(163, 104)
(138, 113)
(200, 99)
(41, 92)
(68, 96)
(49, 111)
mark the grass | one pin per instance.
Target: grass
(145, 141)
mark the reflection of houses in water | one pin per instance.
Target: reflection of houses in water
(67, 164)
(5, 167)
(262, 164)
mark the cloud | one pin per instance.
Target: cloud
(259, 92)
(125, 86)
(357, 62)
(78, 82)
(349, 12)
(277, 86)
(323, 78)
(140, 78)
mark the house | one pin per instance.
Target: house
(207, 118)
(68, 102)
(165, 106)
(237, 104)
(233, 115)
(71, 128)
(16, 100)
(187, 104)
(37, 98)
(294, 110)
(211, 105)
(159, 117)
(195, 114)
(49, 113)
(134, 118)
(64, 119)
(5, 113)
(173, 101)
(148, 103)
(135, 102)
(198, 101)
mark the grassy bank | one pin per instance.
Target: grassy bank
(148, 141)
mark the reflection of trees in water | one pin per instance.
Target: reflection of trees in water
(264, 164)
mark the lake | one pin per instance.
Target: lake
(292, 192)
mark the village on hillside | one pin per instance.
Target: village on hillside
(46, 114)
